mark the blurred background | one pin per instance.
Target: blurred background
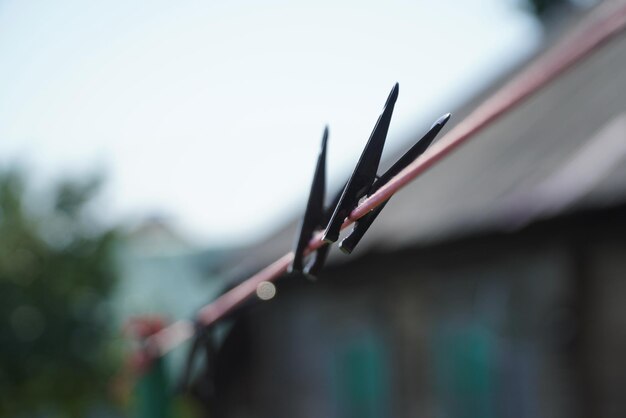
(153, 154)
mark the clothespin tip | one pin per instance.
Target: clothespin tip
(442, 120)
(393, 96)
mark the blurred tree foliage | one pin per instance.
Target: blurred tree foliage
(543, 8)
(56, 271)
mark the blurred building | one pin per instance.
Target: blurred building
(493, 286)
(162, 273)
(158, 272)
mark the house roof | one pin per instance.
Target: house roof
(562, 150)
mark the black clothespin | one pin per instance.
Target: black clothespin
(364, 180)
(364, 174)
(314, 218)
(362, 225)
(202, 345)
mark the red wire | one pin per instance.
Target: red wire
(606, 22)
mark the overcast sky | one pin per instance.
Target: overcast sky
(210, 113)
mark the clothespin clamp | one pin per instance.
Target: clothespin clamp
(314, 219)
(364, 173)
(362, 225)
(365, 181)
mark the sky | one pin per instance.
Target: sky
(209, 114)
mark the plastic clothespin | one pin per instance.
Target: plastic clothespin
(314, 219)
(202, 344)
(364, 180)
(364, 173)
(362, 225)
